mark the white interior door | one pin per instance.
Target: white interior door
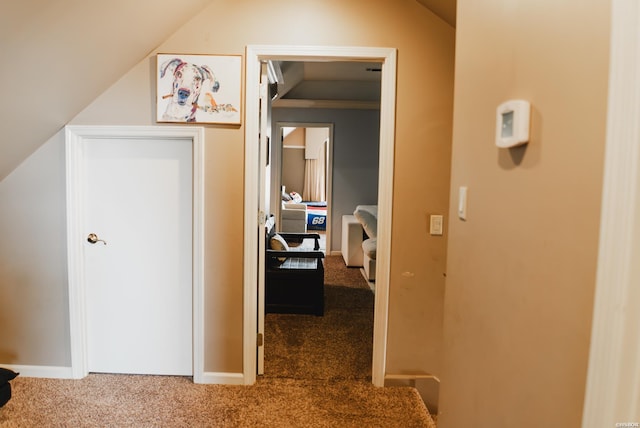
(263, 208)
(138, 199)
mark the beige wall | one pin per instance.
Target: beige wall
(423, 133)
(293, 169)
(34, 310)
(521, 269)
(293, 161)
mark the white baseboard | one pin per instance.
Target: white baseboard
(67, 373)
(336, 253)
(41, 371)
(223, 378)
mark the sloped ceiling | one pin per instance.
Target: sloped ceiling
(337, 84)
(59, 55)
(445, 9)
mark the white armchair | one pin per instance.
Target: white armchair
(293, 218)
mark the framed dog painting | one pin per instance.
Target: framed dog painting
(199, 88)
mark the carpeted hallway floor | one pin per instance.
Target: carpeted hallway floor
(317, 374)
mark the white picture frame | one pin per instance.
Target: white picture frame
(199, 88)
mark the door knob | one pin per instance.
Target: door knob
(93, 238)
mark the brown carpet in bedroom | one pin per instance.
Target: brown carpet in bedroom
(318, 375)
(338, 345)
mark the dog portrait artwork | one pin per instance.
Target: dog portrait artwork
(198, 88)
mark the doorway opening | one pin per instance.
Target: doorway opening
(302, 155)
(254, 230)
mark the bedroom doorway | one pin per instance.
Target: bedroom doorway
(303, 164)
(256, 56)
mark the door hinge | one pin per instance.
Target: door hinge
(264, 90)
(260, 339)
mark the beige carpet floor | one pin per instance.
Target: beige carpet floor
(164, 401)
(317, 375)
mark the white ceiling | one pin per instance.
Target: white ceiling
(345, 84)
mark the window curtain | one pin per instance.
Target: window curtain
(314, 178)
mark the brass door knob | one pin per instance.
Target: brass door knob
(93, 238)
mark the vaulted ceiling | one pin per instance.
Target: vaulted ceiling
(341, 84)
(59, 55)
(328, 84)
(445, 9)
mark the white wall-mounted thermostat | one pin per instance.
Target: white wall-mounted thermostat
(512, 123)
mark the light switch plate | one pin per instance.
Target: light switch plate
(462, 203)
(435, 225)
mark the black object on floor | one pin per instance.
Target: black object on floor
(5, 387)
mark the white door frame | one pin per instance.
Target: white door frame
(613, 381)
(75, 137)
(254, 55)
(277, 147)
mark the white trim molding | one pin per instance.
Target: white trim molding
(75, 136)
(255, 54)
(332, 104)
(50, 372)
(613, 382)
(216, 378)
